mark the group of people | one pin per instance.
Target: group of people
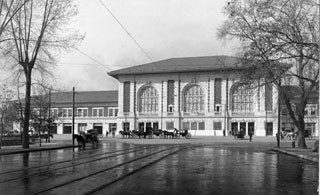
(240, 133)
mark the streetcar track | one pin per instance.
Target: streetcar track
(101, 187)
(66, 161)
(113, 167)
(73, 164)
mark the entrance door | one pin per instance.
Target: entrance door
(148, 125)
(234, 128)
(269, 128)
(98, 127)
(126, 126)
(156, 126)
(243, 127)
(141, 126)
(67, 128)
(53, 128)
(251, 127)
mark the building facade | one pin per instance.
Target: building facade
(93, 109)
(201, 94)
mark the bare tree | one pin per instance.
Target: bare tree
(39, 32)
(273, 33)
(8, 9)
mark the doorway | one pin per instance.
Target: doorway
(243, 127)
(269, 128)
(251, 127)
(98, 127)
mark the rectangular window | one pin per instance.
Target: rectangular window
(185, 126)
(217, 126)
(82, 127)
(82, 112)
(112, 111)
(126, 126)
(170, 125)
(217, 90)
(126, 96)
(66, 112)
(194, 126)
(97, 112)
(54, 112)
(202, 126)
(112, 127)
(268, 97)
(170, 95)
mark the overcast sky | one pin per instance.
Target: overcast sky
(163, 28)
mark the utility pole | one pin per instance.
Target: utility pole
(73, 113)
(279, 110)
(49, 117)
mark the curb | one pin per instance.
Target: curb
(297, 155)
(25, 150)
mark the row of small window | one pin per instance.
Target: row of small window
(194, 125)
(310, 110)
(81, 112)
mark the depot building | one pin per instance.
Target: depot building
(201, 94)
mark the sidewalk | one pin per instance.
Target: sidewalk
(285, 147)
(33, 148)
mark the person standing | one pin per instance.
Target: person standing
(250, 134)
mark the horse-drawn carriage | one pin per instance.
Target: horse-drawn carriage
(183, 133)
(91, 136)
(150, 133)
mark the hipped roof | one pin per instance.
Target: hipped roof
(185, 64)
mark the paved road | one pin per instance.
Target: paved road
(188, 168)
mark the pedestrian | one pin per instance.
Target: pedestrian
(250, 134)
(107, 134)
(224, 132)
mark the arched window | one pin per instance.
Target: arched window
(194, 99)
(148, 100)
(242, 99)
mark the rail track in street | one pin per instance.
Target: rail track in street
(91, 172)
(7, 176)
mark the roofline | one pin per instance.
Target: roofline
(178, 71)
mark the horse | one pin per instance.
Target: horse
(86, 138)
(148, 132)
(158, 132)
(126, 133)
(167, 134)
(46, 137)
(81, 140)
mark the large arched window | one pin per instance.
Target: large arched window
(148, 100)
(193, 99)
(242, 99)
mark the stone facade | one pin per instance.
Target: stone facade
(204, 102)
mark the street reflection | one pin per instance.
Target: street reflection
(232, 170)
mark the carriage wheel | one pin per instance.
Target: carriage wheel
(188, 136)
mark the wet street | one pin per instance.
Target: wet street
(122, 168)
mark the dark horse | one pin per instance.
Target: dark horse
(82, 140)
(126, 133)
(148, 132)
(46, 137)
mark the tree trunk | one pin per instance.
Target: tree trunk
(25, 140)
(301, 137)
